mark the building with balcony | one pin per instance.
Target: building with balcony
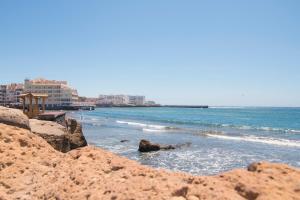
(59, 92)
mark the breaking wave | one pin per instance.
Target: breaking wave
(148, 127)
(265, 140)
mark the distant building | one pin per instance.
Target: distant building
(9, 94)
(86, 101)
(3, 95)
(13, 91)
(121, 100)
(137, 100)
(59, 93)
(113, 100)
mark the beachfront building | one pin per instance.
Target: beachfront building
(59, 92)
(113, 100)
(9, 94)
(137, 100)
(13, 91)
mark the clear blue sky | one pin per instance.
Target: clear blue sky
(243, 52)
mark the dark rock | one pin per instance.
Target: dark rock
(61, 138)
(55, 134)
(122, 141)
(75, 135)
(166, 147)
(147, 146)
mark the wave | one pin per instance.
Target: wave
(265, 140)
(295, 131)
(152, 130)
(268, 129)
(147, 127)
(213, 125)
(233, 126)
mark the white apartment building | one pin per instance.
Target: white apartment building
(9, 93)
(59, 93)
(13, 91)
(137, 100)
(113, 100)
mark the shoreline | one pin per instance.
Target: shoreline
(31, 169)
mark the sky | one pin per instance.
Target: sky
(214, 52)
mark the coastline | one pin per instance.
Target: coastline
(32, 169)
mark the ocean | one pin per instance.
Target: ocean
(213, 140)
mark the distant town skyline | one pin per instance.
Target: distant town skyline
(243, 53)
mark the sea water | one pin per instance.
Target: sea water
(214, 140)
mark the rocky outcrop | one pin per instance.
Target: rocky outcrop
(147, 146)
(31, 169)
(55, 134)
(14, 117)
(75, 134)
(59, 137)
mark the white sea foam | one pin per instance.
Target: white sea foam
(265, 140)
(245, 127)
(132, 123)
(152, 130)
(147, 127)
(295, 131)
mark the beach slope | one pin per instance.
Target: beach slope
(32, 169)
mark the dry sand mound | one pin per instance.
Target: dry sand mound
(31, 169)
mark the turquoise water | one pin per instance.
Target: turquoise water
(216, 139)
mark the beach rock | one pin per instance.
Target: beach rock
(61, 138)
(147, 146)
(14, 117)
(55, 134)
(76, 137)
(31, 169)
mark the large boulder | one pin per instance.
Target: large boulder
(76, 137)
(55, 134)
(147, 146)
(14, 117)
(60, 137)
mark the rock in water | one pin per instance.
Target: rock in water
(146, 146)
(14, 117)
(167, 147)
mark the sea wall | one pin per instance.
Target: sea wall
(30, 168)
